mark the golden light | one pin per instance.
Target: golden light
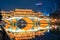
(29, 24)
(53, 20)
(43, 23)
(7, 21)
(14, 20)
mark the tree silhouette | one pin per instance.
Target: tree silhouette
(56, 15)
(0, 15)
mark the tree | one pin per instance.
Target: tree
(56, 15)
(0, 16)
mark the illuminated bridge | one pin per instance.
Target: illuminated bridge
(26, 24)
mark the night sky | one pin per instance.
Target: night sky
(46, 7)
(12, 4)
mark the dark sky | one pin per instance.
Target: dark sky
(46, 7)
(11, 4)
